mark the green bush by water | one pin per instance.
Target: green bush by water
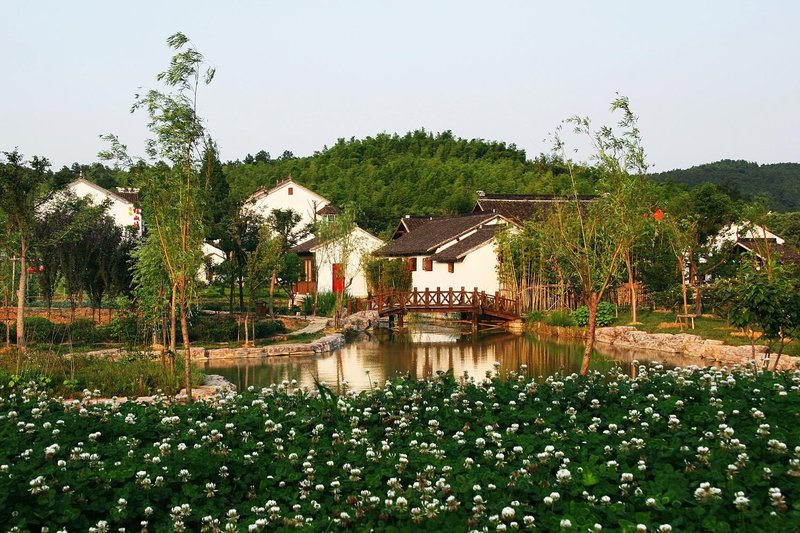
(606, 314)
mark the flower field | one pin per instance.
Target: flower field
(671, 450)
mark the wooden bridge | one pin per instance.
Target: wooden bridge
(476, 303)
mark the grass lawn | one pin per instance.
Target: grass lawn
(708, 327)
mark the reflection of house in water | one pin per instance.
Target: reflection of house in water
(369, 362)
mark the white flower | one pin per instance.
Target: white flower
(741, 502)
(508, 513)
(565, 523)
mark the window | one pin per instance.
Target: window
(451, 267)
(291, 191)
(427, 264)
(411, 264)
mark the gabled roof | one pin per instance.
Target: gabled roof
(781, 251)
(435, 232)
(261, 192)
(459, 250)
(99, 189)
(131, 195)
(309, 246)
(408, 224)
(521, 207)
(330, 209)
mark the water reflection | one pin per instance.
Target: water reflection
(383, 355)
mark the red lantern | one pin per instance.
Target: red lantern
(31, 270)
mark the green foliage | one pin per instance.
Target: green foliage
(606, 314)
(562, 455)
(534, 316)
(387, 275)
(766, 297)
(269, 328)
(326, 304)
(83, 331)
(562, 318)
(384, 175)
(742, 179)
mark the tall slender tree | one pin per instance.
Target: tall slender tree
(175, 188)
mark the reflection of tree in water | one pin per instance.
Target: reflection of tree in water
(387, 356)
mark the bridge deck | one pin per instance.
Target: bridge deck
(446, 301)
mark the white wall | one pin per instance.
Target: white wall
(363, 243)
(303, 201)
(120, 210)
(478, 269)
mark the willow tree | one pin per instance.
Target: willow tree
(174, 188)
(592, 239)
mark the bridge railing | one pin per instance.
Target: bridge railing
(439, 299)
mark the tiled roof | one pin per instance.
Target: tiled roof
(781, 251)
(521, 207)
(435, 232)
(305, 247)
(457, 251)
(329, 209)
(131, 196)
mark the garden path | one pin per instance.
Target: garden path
(315, 325)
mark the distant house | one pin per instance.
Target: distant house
(123, 203)
(323, 266)
(289, 194)
(212, 257)
(449, 252)
(754, 239)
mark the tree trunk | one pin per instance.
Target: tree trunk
(173, 326)
(23, 280)
(272, 281)
(632, 286)
(591, 303)
(230, 302)
(241, 295)
(187, 348)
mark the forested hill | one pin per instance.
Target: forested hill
(779, 182)
(419, 173)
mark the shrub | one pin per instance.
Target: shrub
(83, 331)
(268, 328)
(559, 318)
(213, 329)
(39, 329)
(326, 301)
(605, 315)
(534, 316)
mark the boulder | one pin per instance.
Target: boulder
(361, 321)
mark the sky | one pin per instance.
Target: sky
(708, 80)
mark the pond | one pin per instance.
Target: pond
(421, 352)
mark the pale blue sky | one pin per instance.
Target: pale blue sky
(709, 80)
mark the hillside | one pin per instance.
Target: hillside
(779, 183)
(419, 173)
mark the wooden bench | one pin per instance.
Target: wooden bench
(688, 319)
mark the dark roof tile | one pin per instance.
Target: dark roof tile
(434, 233)
(457, 251)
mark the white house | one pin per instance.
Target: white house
(212, 256)
(450, 252)
(289, 194)
(123, 204)
(325, 270)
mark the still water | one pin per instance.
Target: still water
(422, 352)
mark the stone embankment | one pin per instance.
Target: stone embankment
(691, 345)
(325, 344)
